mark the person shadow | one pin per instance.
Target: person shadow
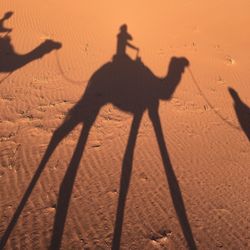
(133, 88)
(242, 111)
(6, 16)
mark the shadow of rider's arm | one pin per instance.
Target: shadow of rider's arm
(132, 46)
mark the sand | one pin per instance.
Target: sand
(186, 176)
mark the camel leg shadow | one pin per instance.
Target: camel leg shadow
(125, 180)
(174, 187)
(66, 189)
(58, 135)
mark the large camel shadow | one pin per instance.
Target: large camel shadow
(242, 111)
(133, 88)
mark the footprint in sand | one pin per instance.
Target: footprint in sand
(229, 60)
(220, 80)
(160, 238)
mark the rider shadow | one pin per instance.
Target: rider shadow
(132, 87)
(242, 112)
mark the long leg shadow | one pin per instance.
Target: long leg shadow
(66, 190)
(67, 184)
(172, 181)
(171, 178)
(58, 135)
(125, 180)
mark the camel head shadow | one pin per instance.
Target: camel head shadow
(130, 85)
(11, 61)
(6, 16)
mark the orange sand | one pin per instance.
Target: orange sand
(205, 127)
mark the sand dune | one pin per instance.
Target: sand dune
(102, 150)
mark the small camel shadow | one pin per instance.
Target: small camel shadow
(132, 87)
(10, 60)
(242, 111)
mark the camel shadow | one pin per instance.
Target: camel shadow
(242, 111)
(132, 87)
(11, 61)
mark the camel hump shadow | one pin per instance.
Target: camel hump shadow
(11, 61)
(129, 85)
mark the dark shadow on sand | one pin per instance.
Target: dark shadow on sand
(10, 60)
(242, 111)
(6, 16)
(132, 87)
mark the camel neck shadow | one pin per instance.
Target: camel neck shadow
(11, 61)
